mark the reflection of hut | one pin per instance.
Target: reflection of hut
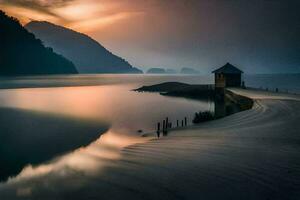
(228, 76)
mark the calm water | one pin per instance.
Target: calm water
(284, 82)
(48, 127)
(111, 101)
(44, 128)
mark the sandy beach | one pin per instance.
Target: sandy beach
(149, 100)
(253, 154)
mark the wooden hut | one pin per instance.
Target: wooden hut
(228, 76)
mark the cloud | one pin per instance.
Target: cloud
(42, 6)
(181, 32)
(99, 23)
(28, 10)
(82, 15)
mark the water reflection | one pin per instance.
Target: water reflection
(34, 137)
(70, 170)
(117, 105)
(227, 103)
(87, 160)
(127, 111)
(220, 103)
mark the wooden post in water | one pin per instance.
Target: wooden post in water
(164, 127)
(182, 123)
(158, 129)
(167, 126)
(177, 122)
(167, 123)
(185, 121)
(170, 125)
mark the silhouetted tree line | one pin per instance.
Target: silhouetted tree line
(22, 54)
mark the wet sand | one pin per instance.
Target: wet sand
(254, 154)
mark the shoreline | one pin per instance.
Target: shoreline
(255, 153)
(81, 80)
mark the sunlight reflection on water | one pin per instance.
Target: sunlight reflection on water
(125, 110)
(87, 160)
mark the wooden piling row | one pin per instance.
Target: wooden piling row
(158, 129)
(168, 125)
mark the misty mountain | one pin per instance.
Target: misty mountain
(171, 71)
(156, 70)
(186, 70)
(22, 54)
(87, 54)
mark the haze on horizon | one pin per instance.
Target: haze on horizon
(258, 36)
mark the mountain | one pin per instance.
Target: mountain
(22, 54)
(171, 71)
(156, 71)
(186, 70)
(87, 54)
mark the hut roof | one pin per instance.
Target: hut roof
(228, 69)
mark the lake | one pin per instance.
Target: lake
(41, 124)
(69, 134)
(284, 82)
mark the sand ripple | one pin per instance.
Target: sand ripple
(250, 155)
(253, 154)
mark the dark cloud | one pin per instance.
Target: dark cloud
(259, 35)
(38, 5)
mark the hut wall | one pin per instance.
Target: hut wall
(233, 80)
(220, 80)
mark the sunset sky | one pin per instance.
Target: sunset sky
(258, 36)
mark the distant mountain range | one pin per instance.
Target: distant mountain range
(156, 70)
(22, 54)
(87, 54)
(184, 70)
(171, 71)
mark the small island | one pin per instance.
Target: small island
(156, 70)
(186, 70)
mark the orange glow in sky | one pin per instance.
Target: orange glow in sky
(83, 16)
(198, 34)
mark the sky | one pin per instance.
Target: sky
(258, 36)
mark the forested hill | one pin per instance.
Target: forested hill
(22, 54)
(87, 54)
